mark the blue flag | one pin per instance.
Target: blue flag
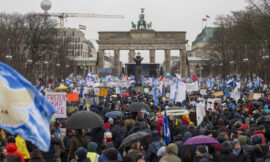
(94, 101)
(230, 82)
(81, 91)
(166, 129)
(23, 109)
(155, 95)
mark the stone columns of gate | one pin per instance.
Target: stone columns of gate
(167, 61)
(100, 59)
(184, 68)
(75, 69)
(152, 56)
(131, 55)
(117, 62)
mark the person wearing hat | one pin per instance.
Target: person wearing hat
(92, 152)
(225, 154)
(110, 120)
(201, 154)
(81, 155)
(241, 156)
(171, 154)
(140, 158)
(261, 131)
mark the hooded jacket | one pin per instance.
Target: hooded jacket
(92, 152)
(171, 155)
(186, 152)
(225, 154)
(206, 157)
(12, 150)
(21, 146)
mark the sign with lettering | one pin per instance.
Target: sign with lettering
(58, 100)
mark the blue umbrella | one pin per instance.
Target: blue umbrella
(193, 103)
(114, 114)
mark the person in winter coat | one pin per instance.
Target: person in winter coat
(81, 155)
(50, 155)
(77, 141)
(225, 154)
(92, 152)
(135, 150)
(186, 152)
(11, 148)
(246, 148)
(36, 156)
(192, 129)
(110, 154)
(171, 154)
(67, 141)
(202, 155)
(151, 153)
(260, 150)
(241, 156)
(21, 146)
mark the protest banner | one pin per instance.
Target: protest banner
(210, 104)
(192, 87)
(96, 91)
(72, 97)
(58, 100)
(103, 92)
(217, 94)
(200, 112)
(250, 96)
(203, 92)
(257, 96)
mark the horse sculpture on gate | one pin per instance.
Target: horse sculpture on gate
(141, 23)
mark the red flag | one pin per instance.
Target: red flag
(194, 78)
(127, 78)
(160, 79)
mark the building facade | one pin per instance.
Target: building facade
(199, 58)
(80, 50)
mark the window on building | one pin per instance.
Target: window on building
(79, 39)
(65, 33)
(73, 33)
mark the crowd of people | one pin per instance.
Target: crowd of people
(242, 132)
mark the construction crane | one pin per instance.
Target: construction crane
(63, 16)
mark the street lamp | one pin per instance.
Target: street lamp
(8, 54)
(265, 58)
(266, 51)
(29, 59)
(246, 54)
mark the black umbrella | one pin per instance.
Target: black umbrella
(114, 114)
(84, 120)
(263, 119)
(256, 103)
(134, 137)
(138, 106)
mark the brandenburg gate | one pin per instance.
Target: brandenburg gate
(143, 37)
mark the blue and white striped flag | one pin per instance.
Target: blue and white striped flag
(155, 94)
(166, 129)
(23, 110)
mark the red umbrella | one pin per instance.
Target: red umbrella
(125, 94)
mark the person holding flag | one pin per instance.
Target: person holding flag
(166, 129)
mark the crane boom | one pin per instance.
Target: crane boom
(62, 16)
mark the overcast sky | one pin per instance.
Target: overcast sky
(166, 15)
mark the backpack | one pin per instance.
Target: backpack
(157, 146)
(203, 129)
(119, 136)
